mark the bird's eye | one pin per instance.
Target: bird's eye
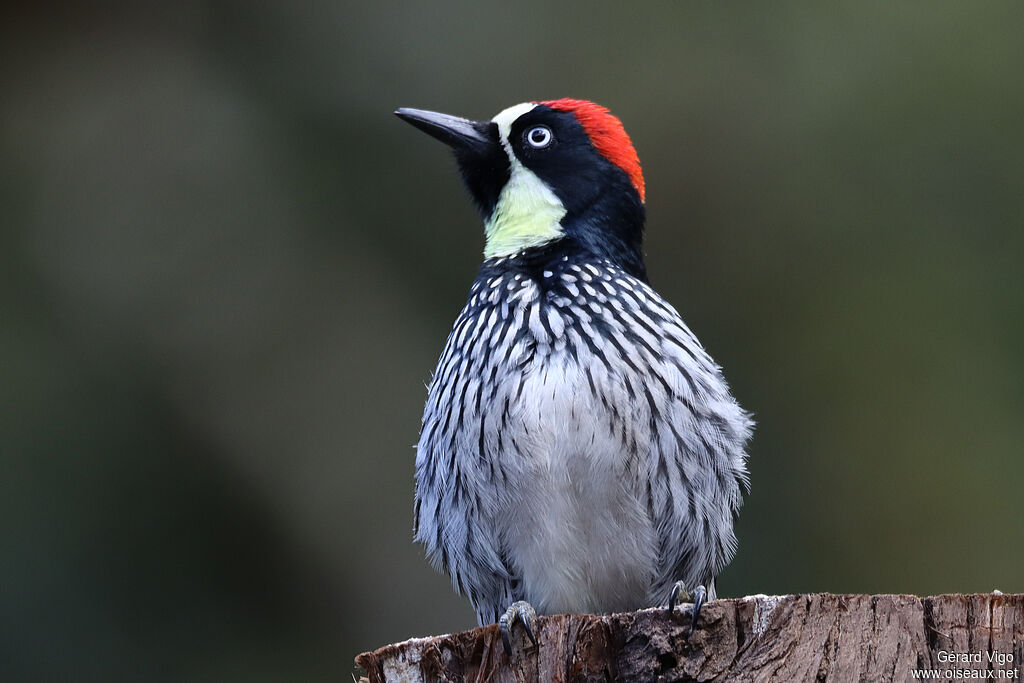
(539, 137)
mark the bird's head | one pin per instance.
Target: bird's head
(543, 172)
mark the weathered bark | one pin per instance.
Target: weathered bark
(820, 637)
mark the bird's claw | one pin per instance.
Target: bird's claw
(518, 611)
(680, 593)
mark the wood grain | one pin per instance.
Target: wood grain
(816, 637)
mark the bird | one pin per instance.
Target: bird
(579, 451)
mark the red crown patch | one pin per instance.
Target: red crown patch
(606, 134)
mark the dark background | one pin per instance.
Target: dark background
(227, 271)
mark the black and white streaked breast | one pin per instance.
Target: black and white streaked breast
(579, 448)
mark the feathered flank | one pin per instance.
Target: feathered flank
(606, 134)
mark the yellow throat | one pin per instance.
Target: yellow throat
(527, 213)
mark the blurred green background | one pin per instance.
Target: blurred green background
(227, 271)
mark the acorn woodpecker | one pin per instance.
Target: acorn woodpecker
(580, 451)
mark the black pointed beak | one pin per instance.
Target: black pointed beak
(460, 134)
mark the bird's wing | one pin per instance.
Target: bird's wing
(695, 467)
(454, 521)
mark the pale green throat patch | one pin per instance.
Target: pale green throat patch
(528, 213)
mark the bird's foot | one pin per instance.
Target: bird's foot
(518, 611)
(680, 594)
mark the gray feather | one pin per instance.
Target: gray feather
(579, 448)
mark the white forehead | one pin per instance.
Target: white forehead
(506, 118)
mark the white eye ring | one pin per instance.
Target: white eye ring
(539, 137)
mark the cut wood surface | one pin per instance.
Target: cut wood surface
(816, 637)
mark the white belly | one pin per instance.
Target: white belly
(578, 528)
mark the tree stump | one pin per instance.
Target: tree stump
(816, 637)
